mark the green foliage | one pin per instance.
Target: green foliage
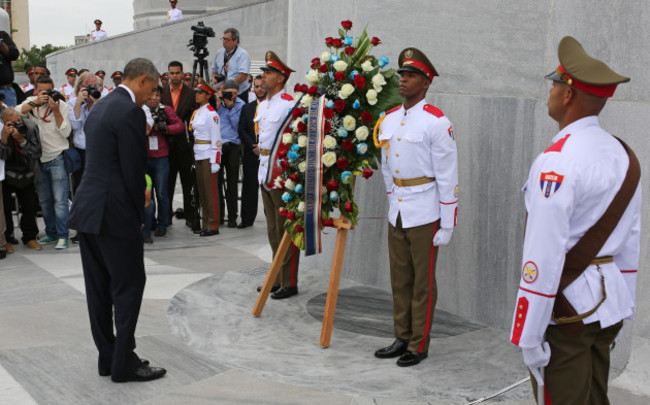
(34, 56)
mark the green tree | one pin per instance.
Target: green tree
(34, 56)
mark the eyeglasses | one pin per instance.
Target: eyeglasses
(226, 39)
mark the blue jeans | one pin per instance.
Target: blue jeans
(158, 170)
(10, 97)
(53, 191)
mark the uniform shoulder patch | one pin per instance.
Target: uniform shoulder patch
(557, 146)
(434, 110)
(397, 107)
(286, 96)
(530, 272)
(210, 108)
(549, 183)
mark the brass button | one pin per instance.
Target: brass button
(399, 138)
(520, 316)
(402, 123)
(518, 325)
(397, 154)
(262, 130)
(412, 139)
(262, 164)
(268, 106)
(396, 170)
(521, 307)
(399, 199)
(264, 118)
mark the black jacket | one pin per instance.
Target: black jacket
(110, 198)
(246, 128)
(6, 72)
(20, 160)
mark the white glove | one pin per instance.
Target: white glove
(536, 358)
(442, 237)
(214, 167)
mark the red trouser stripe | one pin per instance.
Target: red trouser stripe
(432, 258)
(547, 397)
(293, 265)
(214, 201)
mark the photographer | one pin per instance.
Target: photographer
(8, 53)
(165, 123)
(20, 147)
(229, 109)
(86, 94)
(232, 62)
(50, 113)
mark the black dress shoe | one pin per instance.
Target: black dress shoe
(3, 254)
(232, 224)
(105, 370)
(394, 350)
(161, 231)
(199, 231)
(284, 292)
(142, 373)
(410, 359)
(209, 233)
(12, 240)
(243, 225)
(273, 289)
(75, 239)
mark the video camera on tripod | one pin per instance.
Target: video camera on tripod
(199, 41)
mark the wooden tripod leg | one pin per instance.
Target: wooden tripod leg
(333, 290)
(283, 248)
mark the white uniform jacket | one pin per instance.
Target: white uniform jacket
(27, 87)
(269, 117)
(174, 14)
(569, 188)
(96, 35)
(68, 91)
(421, 143)
(205, 124)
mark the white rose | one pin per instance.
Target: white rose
(340, 66)
(306, 100)
(329, 142)
(277, 181)
(289, 184)
(371, 95)
(301, 206)
(346, 90)
(302, 166)
(302, 141)
(325, 57)
(378, 80)
(349, 123)
(362, 133)
(312, 76)
(367, 66)
(329, 159)
(287, 138)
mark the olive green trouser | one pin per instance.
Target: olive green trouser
(288, 275)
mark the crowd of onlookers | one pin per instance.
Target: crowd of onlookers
(42, 150)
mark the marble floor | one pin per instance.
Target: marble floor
(196, 321)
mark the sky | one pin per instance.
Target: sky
(57, 22)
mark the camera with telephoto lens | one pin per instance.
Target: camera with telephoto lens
(199, 41)
(55, 95)
(228, 95)
(93, 92)
(20, 127)
(160, 119)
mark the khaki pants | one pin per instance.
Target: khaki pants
(413, 280)
(208, 184)
(288, 276)
(3, 223)
(579, 367)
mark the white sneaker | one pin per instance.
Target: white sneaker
(62, 244)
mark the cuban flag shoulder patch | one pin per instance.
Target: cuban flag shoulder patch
(550, 183)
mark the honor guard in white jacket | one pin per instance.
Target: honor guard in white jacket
(269, 117)
(174, 13)
(98, 33)
(207, 154)
(31, 73)
(68, 89)
(419, 164)
(117, 78)
(570, 186)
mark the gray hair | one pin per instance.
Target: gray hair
(6, 111)
(141, 66)
(234, 32)
(230, 84)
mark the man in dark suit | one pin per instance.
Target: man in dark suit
(181, 98)
(108, 213)
(250, 160)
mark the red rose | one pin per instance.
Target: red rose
(367, 173)
(302, 127)
(331, 185)
(328, 127)
(294, 177)
(359, 81)
(298, 228)
(283, 212)
(339, 106)
(337, 43)
(303, 88)
(322, 68)
(285, 165)
(291, 215)
(312, 90)
(342, 163)
(295, 113)
(347, 145)
(375, 41)
(315, 60)
(328, 222)
(350, 50)
(347, 24)
(296, 88)
(338, 76)
(349, 207)
(328, 113)
(366, 116)
(282, 153)
(282, 183)
(301, 111)
(328, 41)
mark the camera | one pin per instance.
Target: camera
(199, 40)
(219, 77)
(227, 95)
(160, 120)
(55, 95)
(20, 127)
(93, 92)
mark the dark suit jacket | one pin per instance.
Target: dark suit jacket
(110, 199)
(246, 128)
(184, 109)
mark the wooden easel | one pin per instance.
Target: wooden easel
(343, 226)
